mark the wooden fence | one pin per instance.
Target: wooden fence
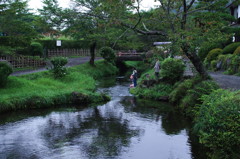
(68, 52)
(23, 61)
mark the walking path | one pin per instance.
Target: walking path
(224, 81)
(71, 62)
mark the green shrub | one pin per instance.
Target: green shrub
(15, 41)
(181, 89)
(206, 48)
(36, 49)
(237, 51)
(225, 61)
(213, 54)
(107, 53)
(217, 123)
(172, 70)
(229, 49)
(230, 63)
(192, 98)
(214, 65)
(24, 51)
(5, 71)
(221, 60)
(155, 92)
(66, 44)
(6, 50)
(58, 66)
(234, 64)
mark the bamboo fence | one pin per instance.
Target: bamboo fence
(68, 52)
(23, 61)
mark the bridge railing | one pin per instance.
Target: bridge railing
(128, 54)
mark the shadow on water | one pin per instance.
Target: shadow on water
(125, 127)
(172, 121)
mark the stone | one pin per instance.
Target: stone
(164, 98)
(80, 98)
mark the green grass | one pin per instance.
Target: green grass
(155, 92)
(43, 90)
(23, 69)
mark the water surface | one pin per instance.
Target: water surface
(124, 128)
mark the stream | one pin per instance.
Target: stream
(123, 128)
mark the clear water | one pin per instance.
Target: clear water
(124, 128)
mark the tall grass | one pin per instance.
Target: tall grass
(43, 90)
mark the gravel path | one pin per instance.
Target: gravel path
(226, 81)
(71, 62)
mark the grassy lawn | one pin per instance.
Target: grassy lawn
(43, 90)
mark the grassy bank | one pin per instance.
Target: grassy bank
(156, 91)
(43, 90)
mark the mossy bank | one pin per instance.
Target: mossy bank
(43, 90)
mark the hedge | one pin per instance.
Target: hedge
(229, 49)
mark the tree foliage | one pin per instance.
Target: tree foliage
(16, 21)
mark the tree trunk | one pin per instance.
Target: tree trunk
(193, 57)
(195, 61)
(92, 53)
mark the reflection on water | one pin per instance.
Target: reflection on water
(123, 128)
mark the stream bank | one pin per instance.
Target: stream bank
(39, 90)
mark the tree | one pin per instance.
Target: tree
(176, 21)
(89, 20)
(16, 20)
(52, 14)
